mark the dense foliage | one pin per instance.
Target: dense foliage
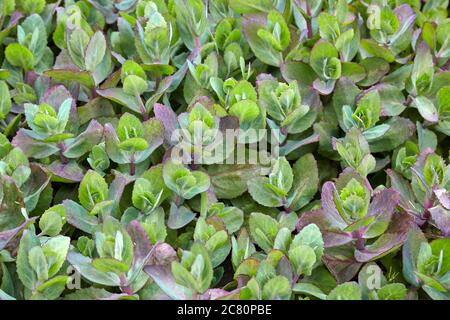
(96, 95)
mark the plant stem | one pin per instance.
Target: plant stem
(360, 242)
(94, 93)
(204, 204)
(295, 279)
(132, 166)
(178, 201)
(124, 286)
(142, 106)
(62, 148)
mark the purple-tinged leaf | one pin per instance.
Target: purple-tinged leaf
(34, 186)
(264, 52)
(112, 142)
(382, 207)
(11, 203)
(292, 145)
(228, 123)
(121, 296)
(329, 207)
(168, 118)
(443, 196)
(119, 96)
(64, 61)
(406, 18)
(55, 96)
(142, 245)
(298, 71)
(331, 231)
(179, 216)
(384, 203)
(33, 148)
(69, 172)
(154, 134)
(118, 185)
(79, 217)
(441, 218)
(324, 87)
(7, 236)
(13, 21)
(83, 77)
(216, 294)
(96, 108)
(85, 141)
(284, 268)
(164, 254)
(403, 187)
(162, 275)
(341, 262)
(107, 10)
(394, 237)
(143, 249)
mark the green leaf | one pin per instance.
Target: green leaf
(263, 192)
(119, 96)
(93, 190)
(24, 268)
(83, 77)
(84, 266)
(392, 291)
(195, 270)
(251, 6)
(277, 288)
(305, 182)
(95, 51)
(302, 258)
(345, 291)
(55, 250)
(180, 180)
(38, 262)
(5, 100)
(134, 85)
(377, 50)
(328, 27)
(262, 49)
(312, 237)
(324, 61)
(423, 69)
(230, 181)
(19, 56)
(426, 109)
(78, 42)
(52, 220)
(246, 111)
(400, 129)
(309, 289)
(79, 217)
(442, 245)
(263, 229)
(110, 265)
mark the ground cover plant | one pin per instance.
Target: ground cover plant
(225, 149)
